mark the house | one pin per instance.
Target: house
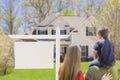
(82, 31)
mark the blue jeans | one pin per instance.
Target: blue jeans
(97, 63)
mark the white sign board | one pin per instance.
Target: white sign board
(40, 62)
(30, 55)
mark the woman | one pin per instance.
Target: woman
(70, 69)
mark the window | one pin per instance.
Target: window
(42, 32)
(63, 32)
(53, 32)
(63, 49)
(50, 25)
(66, 25)
(34, 32)
(84, 51)
(90, 31)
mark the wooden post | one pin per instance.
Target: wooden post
(57, 51)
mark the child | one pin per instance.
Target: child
(103, 50)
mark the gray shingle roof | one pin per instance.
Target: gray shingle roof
(48, 20)
(72, 21)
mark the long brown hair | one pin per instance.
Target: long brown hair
(71, 64)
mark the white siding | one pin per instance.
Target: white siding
(80, 38)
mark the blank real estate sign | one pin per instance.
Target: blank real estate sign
(32, 55)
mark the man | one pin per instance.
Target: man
(96, 73)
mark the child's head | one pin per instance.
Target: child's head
(102, 32)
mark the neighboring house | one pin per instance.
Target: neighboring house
(82, 31)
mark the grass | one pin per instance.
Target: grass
(40, 74)
(84, 66)
(118, 65)
(33, 74)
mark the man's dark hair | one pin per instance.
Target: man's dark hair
(103, 31)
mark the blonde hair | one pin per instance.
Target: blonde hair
(71, 64)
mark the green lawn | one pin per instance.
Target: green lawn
(34, 74)
(38, 74)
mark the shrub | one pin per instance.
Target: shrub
(3, 65)
(6, 53)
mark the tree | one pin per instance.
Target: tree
(109, 16)
(35, 11)
(88, 7)
(10, 21)
(41, 8)
(67, 12)
(60, 5)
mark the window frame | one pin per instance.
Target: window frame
(53, 32)
(42, 32)
(84, 53)
(90, 31)
(63, 32)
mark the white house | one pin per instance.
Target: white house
(82, 31)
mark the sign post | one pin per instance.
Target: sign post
(57, 37)
(57, 51)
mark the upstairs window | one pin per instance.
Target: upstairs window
(90, 31)
(62, 32)
(53, 32)
(44, 32)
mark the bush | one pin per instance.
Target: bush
(4, 65)
(6, 53)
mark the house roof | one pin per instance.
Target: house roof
(72, 21)
(48, 20)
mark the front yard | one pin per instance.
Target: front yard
(40, 74)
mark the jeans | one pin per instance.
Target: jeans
(97, 63)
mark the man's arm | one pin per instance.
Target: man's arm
(95, 54)
(96, 49)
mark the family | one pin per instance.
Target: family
(101, 68)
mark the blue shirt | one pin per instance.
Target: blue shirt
(105, 52)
